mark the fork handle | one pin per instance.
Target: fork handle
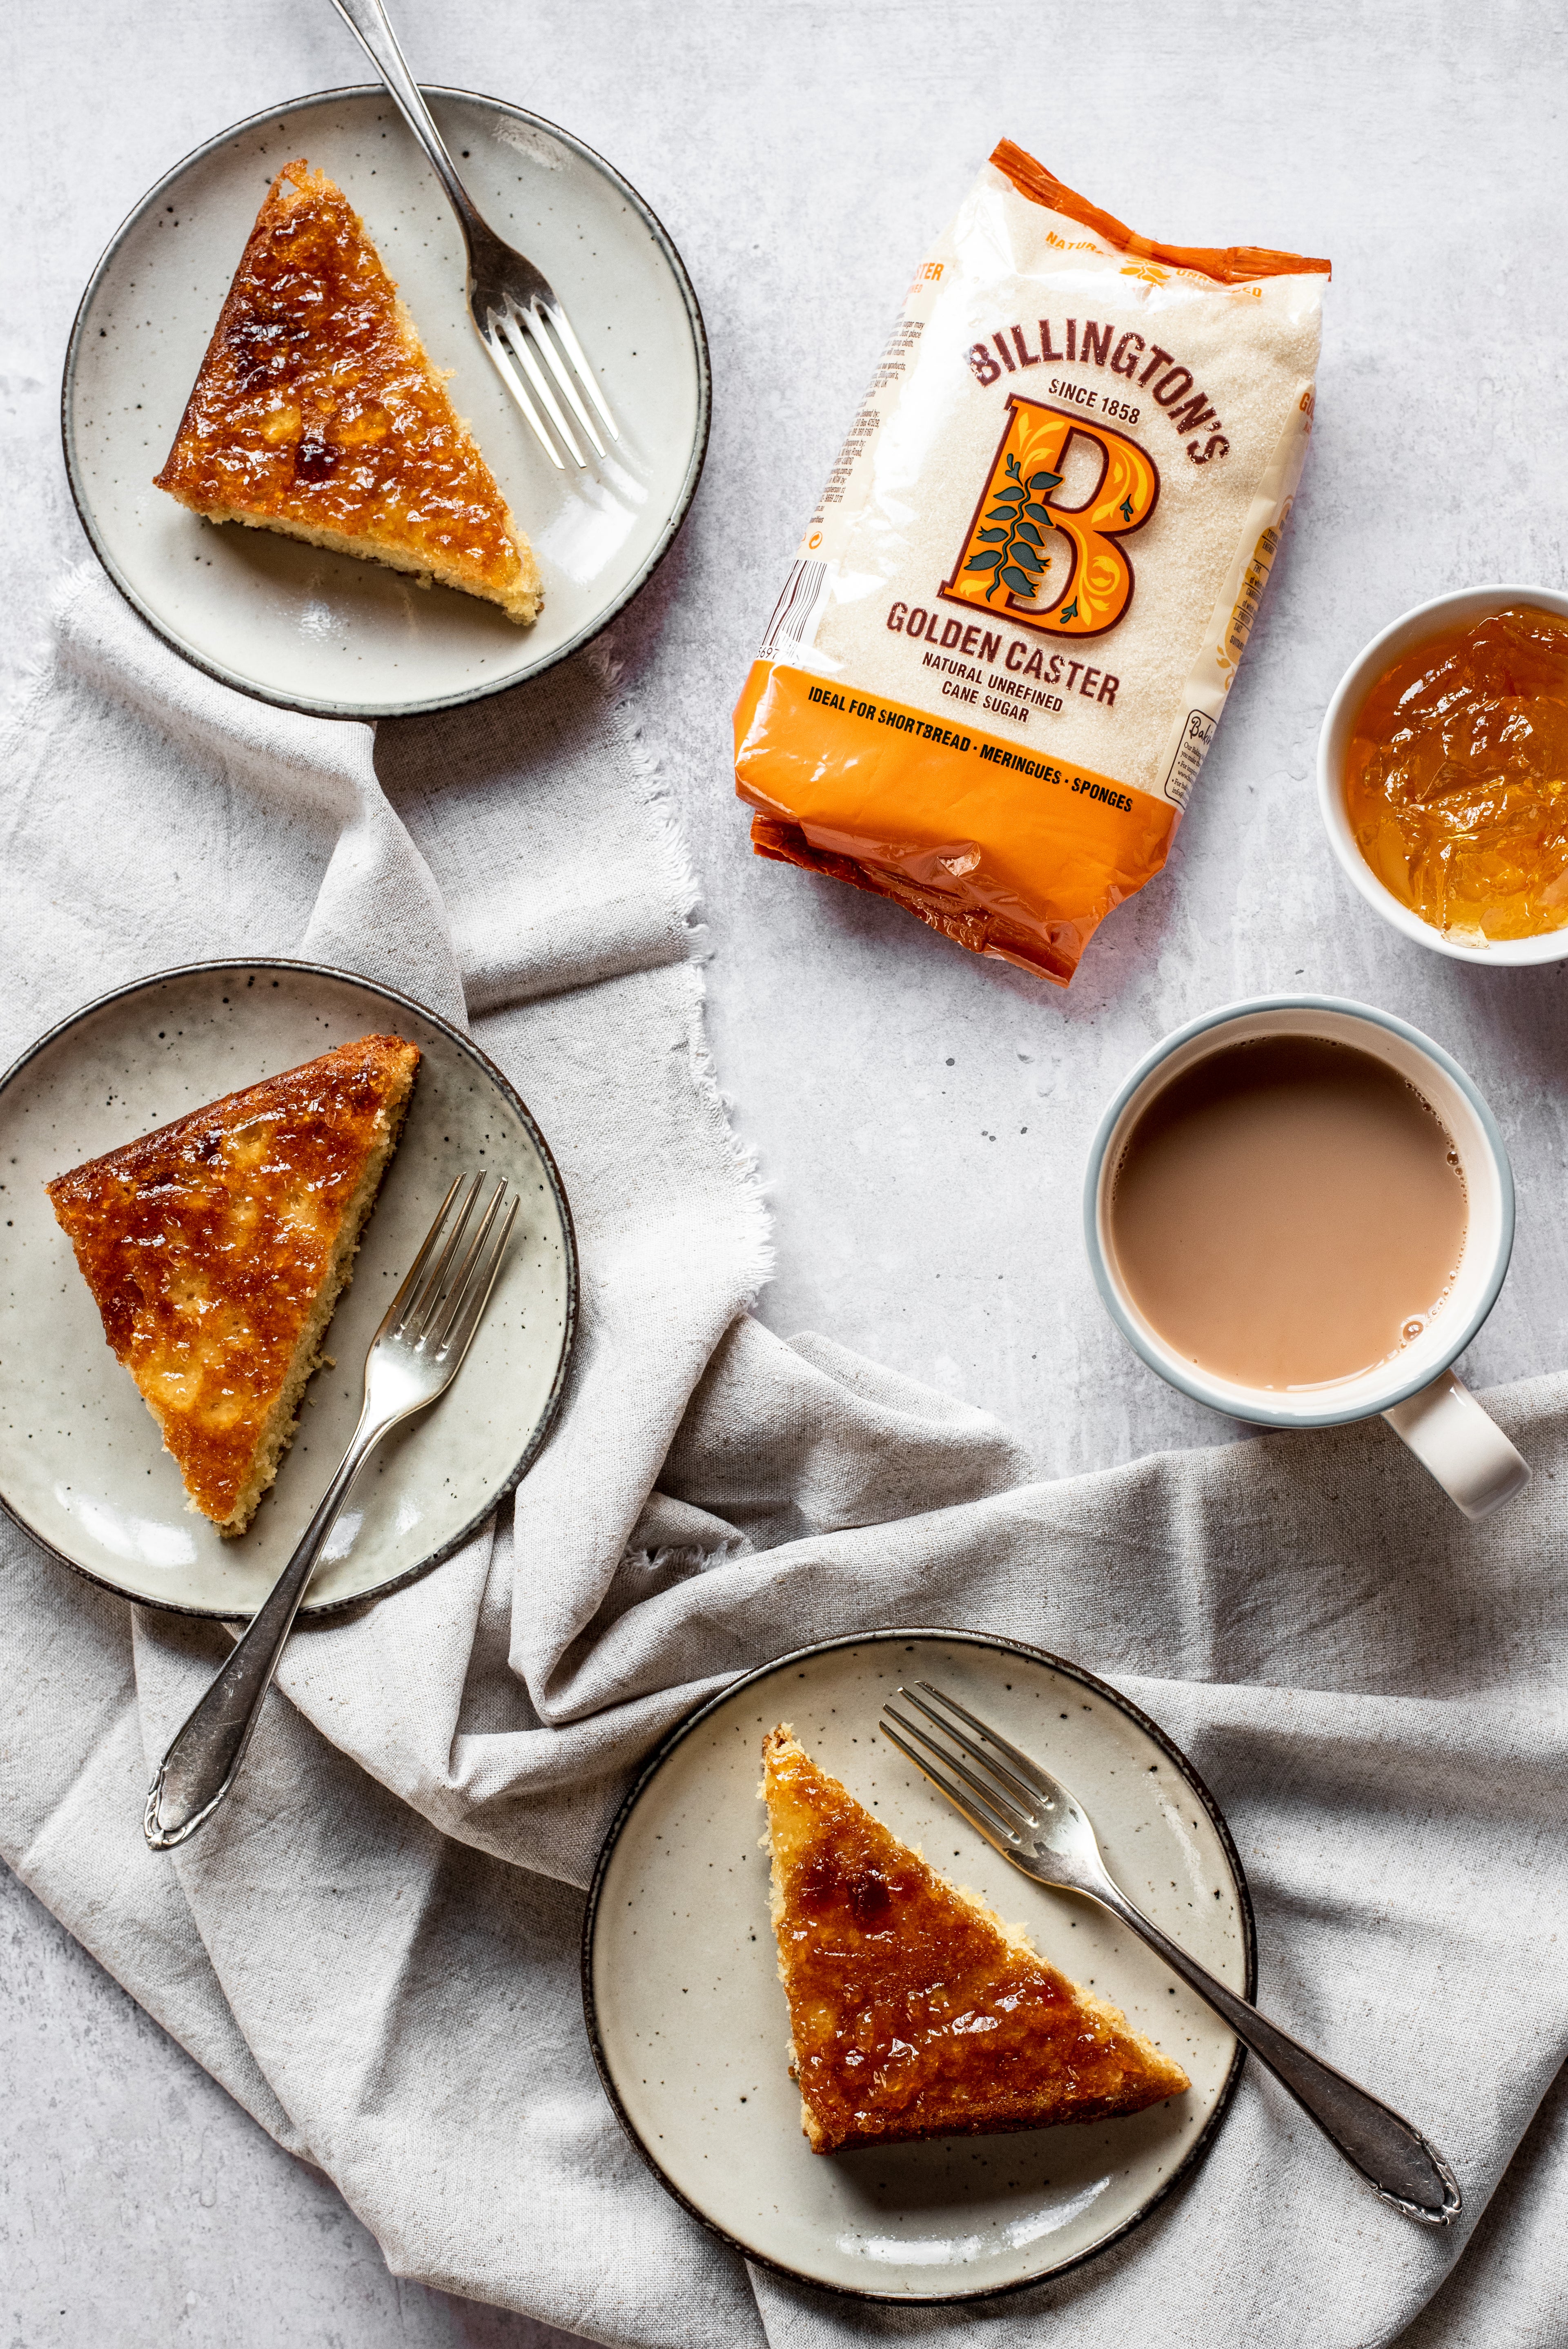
(1389, 2152)
(369, 21)
(203, 1760)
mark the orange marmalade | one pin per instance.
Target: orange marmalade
(1456, 777)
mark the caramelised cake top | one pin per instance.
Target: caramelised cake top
(205, 1245)
(317, 406)
(915, 2011)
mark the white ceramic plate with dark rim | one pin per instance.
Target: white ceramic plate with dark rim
(312, 630)
(688, 2021)
(82, 1468)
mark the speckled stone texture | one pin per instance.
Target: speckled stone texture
(141, 2208)
(922, 1117)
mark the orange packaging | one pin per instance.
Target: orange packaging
(999, 657)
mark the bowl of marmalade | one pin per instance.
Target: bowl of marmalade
(1442, 774)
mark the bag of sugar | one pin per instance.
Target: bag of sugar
(1001, 653)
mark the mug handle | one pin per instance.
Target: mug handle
(1464, 1449)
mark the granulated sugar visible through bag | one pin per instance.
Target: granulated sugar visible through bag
(1000, 656)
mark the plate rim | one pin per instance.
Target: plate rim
(322, 1611)
(1002, 1644)
(311, 707)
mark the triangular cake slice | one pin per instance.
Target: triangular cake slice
(317, 413)
(216, 1248)
(915, 2011)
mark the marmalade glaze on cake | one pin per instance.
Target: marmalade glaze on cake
(317, 413)
(215, 1248)
(915, 2011)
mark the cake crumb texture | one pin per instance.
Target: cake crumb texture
(217, 1247)
(317, 413)
(914, 2010)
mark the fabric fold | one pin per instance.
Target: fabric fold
(376, 1947)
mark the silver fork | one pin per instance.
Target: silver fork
(515, 309)
(1031, 1820)
(414, 1357)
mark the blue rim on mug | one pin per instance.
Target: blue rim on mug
(1238, 1403)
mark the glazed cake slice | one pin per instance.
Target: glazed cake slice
(914, 2010)
(317, 413)
(216, 1248)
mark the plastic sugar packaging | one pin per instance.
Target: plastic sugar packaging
(1001, 653)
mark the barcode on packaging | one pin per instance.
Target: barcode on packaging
(794, 621)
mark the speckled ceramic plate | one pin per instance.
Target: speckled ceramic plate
(322, 632)
(82, 1466)
(689, 2024)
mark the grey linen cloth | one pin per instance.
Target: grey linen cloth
(375, 1952)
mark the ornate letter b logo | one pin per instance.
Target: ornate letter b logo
(1002, 566)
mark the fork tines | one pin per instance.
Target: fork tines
(439, 1305)
(523, 333)
(1006, 1792)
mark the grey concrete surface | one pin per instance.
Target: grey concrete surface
(141, 2208)
(921, 1116)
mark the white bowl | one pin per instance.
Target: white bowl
(1428, 619)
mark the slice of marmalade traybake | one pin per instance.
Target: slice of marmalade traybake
(915, 2011)
(216, 1248)
(317, 413)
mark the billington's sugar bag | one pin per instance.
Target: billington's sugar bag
(1003, 648)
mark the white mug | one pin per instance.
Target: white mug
(1416, 1391)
